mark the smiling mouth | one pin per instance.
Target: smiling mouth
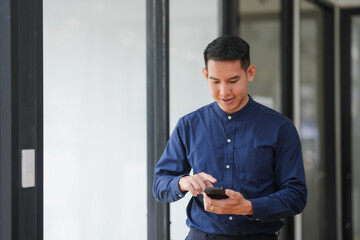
(229, 100)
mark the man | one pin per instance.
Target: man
(238, 144)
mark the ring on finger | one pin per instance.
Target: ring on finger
(212, 207)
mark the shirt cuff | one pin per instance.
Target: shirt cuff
(175, 186)
(259, 208)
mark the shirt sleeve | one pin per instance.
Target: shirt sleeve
(172, 166)
(290, 199)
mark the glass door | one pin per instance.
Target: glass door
(260, 26)
(311, 119)
(350, 121)
(355, 123)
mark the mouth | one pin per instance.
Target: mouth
(227, 100)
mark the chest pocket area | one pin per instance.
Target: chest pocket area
(254, 165)
(206, 162)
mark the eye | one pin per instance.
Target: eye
(234, 81)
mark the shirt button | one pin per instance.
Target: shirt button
(229, 117)
(230, 218)
(227, 166)
(229, 140)
(180, 195)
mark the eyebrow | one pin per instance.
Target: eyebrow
(232, 78)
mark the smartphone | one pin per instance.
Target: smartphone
(216, 192)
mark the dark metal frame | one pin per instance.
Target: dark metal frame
(287, 83)
(157, 41)
(5, 122)
(21, 117)
(229, 17)
(287, 58)
(329, 152)
(346, 137)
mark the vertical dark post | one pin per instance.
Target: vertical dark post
(157, 41)
(346, 146)
(287, 59)
(5, 121)
(229, 17)
(328, 85)
(21, 114)
(287, 80)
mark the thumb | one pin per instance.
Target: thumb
(232, 193)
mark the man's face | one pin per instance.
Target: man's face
(228, 83)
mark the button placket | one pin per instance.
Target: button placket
(229, 131)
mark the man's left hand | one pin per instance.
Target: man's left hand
(235, 204)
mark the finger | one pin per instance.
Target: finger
(192, 190)
(191, 184)
(200, 183)
(203, 185)
(198, 187)
(208, 177)
(208, 200)
(208, 184)
(207, 205)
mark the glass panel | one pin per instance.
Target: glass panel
(191, 31)
(260, 26)
(355, 112)
(94, 120)
(311, 127)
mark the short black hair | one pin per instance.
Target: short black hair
(228, 48)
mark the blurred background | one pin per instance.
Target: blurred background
(95, 106)
(94, 183)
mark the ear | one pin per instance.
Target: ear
(251, 72)
(206, 73)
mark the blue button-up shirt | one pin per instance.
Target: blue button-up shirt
(255, 151)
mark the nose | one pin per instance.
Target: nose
(225, 90)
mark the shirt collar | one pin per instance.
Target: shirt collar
(248, 107)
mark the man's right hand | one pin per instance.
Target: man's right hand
(196, 184)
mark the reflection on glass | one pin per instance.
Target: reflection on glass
(190, 32)
(311, 126)
(260, 27)
(94, 120)
(355, 112)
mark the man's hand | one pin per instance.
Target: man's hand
(196, 184)
(235, 204)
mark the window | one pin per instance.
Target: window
(94, 120)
